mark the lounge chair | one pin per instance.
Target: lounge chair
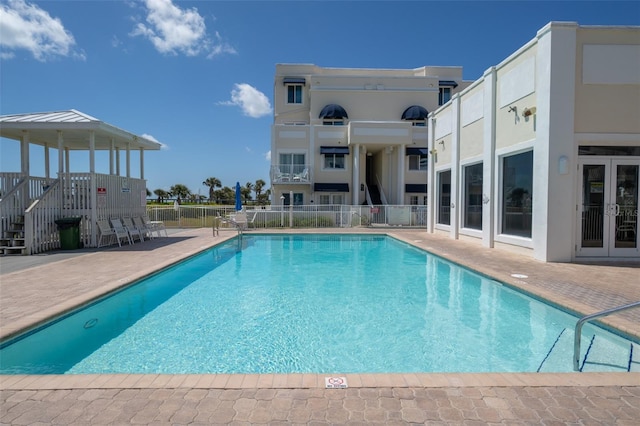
(132, 229)
(142, 227)
(120, 231)
(156, 225)
(105, 232)
(301, 177)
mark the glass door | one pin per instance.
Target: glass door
(608, 216)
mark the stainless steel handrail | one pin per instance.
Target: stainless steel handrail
(580, 323)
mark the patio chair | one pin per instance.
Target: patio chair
(301, 177)
(239, 220)
(105, 232)
(142, 227)
(132, 229)
(120, 231)
(156, 225)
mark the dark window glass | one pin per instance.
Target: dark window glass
(517, 194)
(473, 196)
(444, 197)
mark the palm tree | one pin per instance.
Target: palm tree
(180, 191)
(257, 187)
(161, 194)
(212, 183)
(225, 195)
(246, 191)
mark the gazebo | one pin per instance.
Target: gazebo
(30, 205)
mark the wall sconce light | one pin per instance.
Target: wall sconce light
(442, 143)
(563, 165)
(513, 108)
(529, 111)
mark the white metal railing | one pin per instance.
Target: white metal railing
(383, 197)
(290, 216)
(290, 173)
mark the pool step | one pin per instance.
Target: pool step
(601, 356)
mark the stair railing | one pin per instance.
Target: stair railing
(382, 196)
(12, 203)
(367, 195)
(40, 231)
(586, 318)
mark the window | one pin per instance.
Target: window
(327, 199)
(444, 198)
(291, 164)
(472, 208)
(418, 162)
(333, 122)
(297, 199)
(517, 192)
(333, 161)
(444, 95)
(413, 200)
(294, 93)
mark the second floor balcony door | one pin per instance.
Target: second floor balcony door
(292, 164)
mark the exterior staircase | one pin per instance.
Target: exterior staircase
(13, 240)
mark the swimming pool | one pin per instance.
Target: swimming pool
(314, 303)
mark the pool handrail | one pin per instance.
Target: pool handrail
(586, 318)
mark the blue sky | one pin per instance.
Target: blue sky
(197, 76)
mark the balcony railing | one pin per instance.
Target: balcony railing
(290, 173)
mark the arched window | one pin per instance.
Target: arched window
(333, 115)
(416, 114)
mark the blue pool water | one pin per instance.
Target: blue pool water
(315, 303)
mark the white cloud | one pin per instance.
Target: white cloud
(267, 155)
(173, 30)
(253, 102)
(26, 26)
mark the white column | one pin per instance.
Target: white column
(455, 167)
(128, 161)
(24, 165)
(489, 169)
(141, 163)
(554, 193)
(355, 174)
(311, 161)
(402, 158)
(118, 161)
(112, 152)
(60, 154)
(93, 188)
(431, 212)
(24, 153)
(61, 175)
(92, 151)
(47, 171)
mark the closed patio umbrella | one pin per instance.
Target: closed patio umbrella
(238, 197)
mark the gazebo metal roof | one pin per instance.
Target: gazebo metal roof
(75, 127)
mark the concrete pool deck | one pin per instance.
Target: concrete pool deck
(35, 289)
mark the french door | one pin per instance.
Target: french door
(608, 214)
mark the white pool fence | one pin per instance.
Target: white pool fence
(307, 216)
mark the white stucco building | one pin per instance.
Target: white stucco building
(540, 155)
(341, 133)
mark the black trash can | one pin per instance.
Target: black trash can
(69, 229)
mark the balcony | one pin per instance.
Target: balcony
(290, 174)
